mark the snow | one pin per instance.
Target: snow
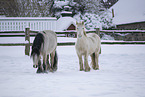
(121, 73)
(61, 3)
(64, 22)
(127, 11)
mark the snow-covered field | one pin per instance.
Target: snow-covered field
(121, 74)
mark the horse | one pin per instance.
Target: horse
(87, 44)
(44, 45)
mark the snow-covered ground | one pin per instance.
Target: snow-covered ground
(121, 74)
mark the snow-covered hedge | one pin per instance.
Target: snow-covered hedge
(93, 21)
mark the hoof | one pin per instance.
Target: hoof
(96, 68)
(54, 69)
(45, 72)
(81, 69)
(87, 70)
(50, 70)
(39, 70)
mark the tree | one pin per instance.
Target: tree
(26, 8)
(89, 6)
(93, 21)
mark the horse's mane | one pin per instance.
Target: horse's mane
(38, 41)
(84, 32)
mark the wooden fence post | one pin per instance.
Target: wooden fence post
(27, 49)
(27, 34)
(27, 37)
(98, 31)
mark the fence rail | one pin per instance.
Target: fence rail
(28, 33)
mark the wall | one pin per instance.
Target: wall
(135, 36)
(132, 26)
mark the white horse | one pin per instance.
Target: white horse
(87, 44)
(45, 44)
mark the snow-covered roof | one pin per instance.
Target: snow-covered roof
(64, 22)
(61, 3)
(129, 11)
(67, 12)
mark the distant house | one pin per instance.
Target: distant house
(66, 23)
(129, 14)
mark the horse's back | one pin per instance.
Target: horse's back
(95, 39)
(50, 41)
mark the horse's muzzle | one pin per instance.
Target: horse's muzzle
(35, 66)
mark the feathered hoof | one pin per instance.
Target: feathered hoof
(50, 70)
(87, 69)
(45, 72)
(39, 70)
(96, 68)
(81, 69)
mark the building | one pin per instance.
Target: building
(132, 26)
(66, 23)
(129, 14)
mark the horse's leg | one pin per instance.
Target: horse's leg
(96, 61)
(87, 68)
(55, 61)
(48, 64)
(52, 60)
(45, 62)
(80, 62)
(40, 69)
(93, 63)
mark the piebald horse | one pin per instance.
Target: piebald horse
(87, 44)
(44, 45)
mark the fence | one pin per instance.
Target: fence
(28, 33)
(34, 23)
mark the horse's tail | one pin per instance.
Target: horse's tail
(55, 62)
(37, 44)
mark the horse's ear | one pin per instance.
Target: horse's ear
(82, 22)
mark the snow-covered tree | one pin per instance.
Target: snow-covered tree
(34, 8)
(93, 21)
(27, 8)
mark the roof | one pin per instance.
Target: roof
(64, 22)
(129, 11)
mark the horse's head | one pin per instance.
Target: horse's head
(35, 55)
(80, 29)
(35, 61)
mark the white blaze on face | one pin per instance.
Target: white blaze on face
(80, 29)
(35, 61)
